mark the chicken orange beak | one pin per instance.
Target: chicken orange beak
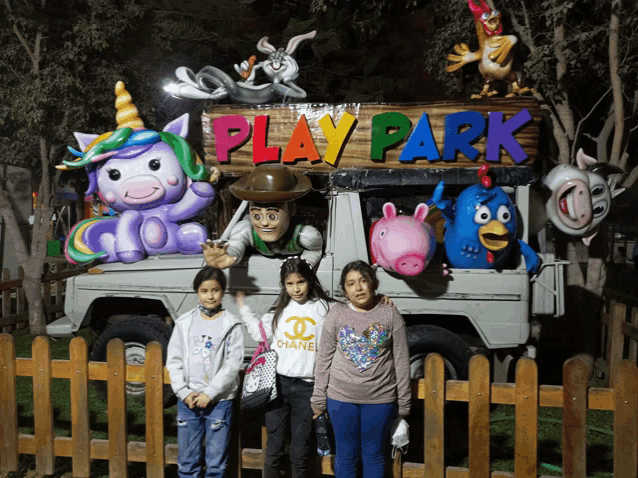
(494, 235)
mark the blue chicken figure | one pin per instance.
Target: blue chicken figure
(481, 227)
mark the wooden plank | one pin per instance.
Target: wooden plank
(526, 433)
(117, 409)
(458, 472)
(6, 322)
(479, 415)
(615, 338)
(356, 151)
(625, 380)
(80, 430)
(10, 284)
(54, 276)
(397, 465)
(574, 418)
(600, 399)
(21, 302)
(264, 441)
(43, 406)
(99, 449)
(8, 405)
(630, 331)
(154, 411)
(6, 299)
(633, 344)
(433, 404)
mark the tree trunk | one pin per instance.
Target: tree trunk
(33, 293)
(619, 112)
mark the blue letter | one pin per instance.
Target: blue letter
(421, 143)
(455, 141)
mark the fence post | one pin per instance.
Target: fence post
(21, 301)
(615, 337)
(264, 440)
(8, 406)
(574, 418)
(6, 300)
(43, 407)
(433, 405)
(118, 446)
(625, 384)
(479, 415)
(633, 345)
(154, 378)
(526, 433)
(80, 431)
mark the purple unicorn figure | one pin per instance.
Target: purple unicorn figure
(152, 179)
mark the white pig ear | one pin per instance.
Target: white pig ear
(583, 160)
(389, 210)
(421, 212)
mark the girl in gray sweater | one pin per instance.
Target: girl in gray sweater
(362, 374)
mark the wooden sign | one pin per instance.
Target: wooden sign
(323, 138)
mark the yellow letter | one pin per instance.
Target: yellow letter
(336, 136)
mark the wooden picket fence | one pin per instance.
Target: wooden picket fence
(14, 308)
(620, 333)
(574, 397)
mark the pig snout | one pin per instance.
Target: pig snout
(573, 203)
(410, 264)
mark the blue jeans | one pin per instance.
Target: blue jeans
(361, 430)
(212, 424)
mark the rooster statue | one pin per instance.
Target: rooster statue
(495, 54)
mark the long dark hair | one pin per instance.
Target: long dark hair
(297, 265)
(209, 273)
(363, 268)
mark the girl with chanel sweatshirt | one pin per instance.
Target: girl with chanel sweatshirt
(294, 327)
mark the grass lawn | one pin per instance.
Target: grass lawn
(599, 436)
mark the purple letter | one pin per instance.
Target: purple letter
(500, 133)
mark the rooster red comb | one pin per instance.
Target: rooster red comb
(484, 176)
(478, 9)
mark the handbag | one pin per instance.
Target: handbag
(260, 379)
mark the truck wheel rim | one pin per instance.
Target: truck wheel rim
(417, 362)
(135, 354)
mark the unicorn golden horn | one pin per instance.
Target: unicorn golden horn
(127, 115)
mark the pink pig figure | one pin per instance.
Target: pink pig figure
(404, 244)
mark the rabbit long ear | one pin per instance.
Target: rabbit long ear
(265, 47)
(294, 42)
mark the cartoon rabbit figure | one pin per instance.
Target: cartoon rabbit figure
(212, 83)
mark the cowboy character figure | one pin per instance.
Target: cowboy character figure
(271, 190)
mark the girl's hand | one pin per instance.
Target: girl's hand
(316, 412)
(240, 299)
(188, 401)
(201, 401)
(386, 300)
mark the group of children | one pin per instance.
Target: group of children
(347, 359)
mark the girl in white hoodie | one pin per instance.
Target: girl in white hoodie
(294, 326)
(204, 356)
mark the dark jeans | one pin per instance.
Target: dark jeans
(210, 424)
(289, 414)
(361, 432)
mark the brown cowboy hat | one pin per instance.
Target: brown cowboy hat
(271, 183)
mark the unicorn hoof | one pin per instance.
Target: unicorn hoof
(130, 256)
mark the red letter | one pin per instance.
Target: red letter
(262, 154)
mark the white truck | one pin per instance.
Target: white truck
(468, 311)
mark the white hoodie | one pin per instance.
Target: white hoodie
(297, 336)
(228, 358)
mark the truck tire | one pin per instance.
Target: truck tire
(136, 332)
(427, 339)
